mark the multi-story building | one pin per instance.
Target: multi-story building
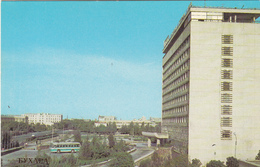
(43, 118)
(211, 78)
(104, 120)
(11, 118)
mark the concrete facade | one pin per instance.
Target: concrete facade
(119, 123)
(43, 118)
(211, 78)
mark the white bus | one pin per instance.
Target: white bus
(65, 147)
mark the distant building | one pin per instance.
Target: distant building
(104, 120)
(43, 118)
(10, 118)
(210, 84)
(152, 119)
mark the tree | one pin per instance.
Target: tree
(6, 140)
(101, 129)
(156, 159)
(40, 127)
(146, 163)
(120, 146)
(177, 161)
(111, 140)
(77, 136)
(85, 150)
(147, 128)
(232, 162)
(124, 129)
(196, 163)
(111, 128)
(131, 128)
(137, 130)
(215, 163)
(122, 159)
(258, 156)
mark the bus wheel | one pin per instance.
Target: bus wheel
(73, 151)
(58, 151)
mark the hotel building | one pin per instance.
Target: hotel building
(211, 84)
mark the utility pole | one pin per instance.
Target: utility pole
(52, 134)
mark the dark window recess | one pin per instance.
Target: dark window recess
(227, 63)
(226, 74)
(226, 98)
(226, 110)
(226, 122)
(227, 51)
(227, 39)
(226, 86)
(226, 135)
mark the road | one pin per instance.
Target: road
(31, 152)
(141, 150)
(22, 138)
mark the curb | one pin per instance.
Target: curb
(143, 156)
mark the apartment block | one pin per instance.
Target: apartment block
(210, 85)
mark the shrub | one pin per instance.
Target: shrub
(215, 163)
(232, 162)
(122, 159)
(196, 163)
(258, 156)
(146, 163)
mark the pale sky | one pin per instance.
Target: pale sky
(85, 59)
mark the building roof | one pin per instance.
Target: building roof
(243, 15)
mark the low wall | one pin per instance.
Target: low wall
(8, 151)
(248, 164)
(138, 161)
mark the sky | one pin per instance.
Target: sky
(85, 59)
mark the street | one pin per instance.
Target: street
(31, 151)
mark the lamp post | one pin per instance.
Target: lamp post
(52, 134)
(214, 145)
(235, 145)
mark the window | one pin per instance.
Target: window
(226, 74)
(226, 135)
(226, 86)
(226, 122)
(227, 51)
(227, 39)
(227, 63)
(226, 98)
(226, 109)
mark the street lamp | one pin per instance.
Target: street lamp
(214, 145)
(235, 145)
